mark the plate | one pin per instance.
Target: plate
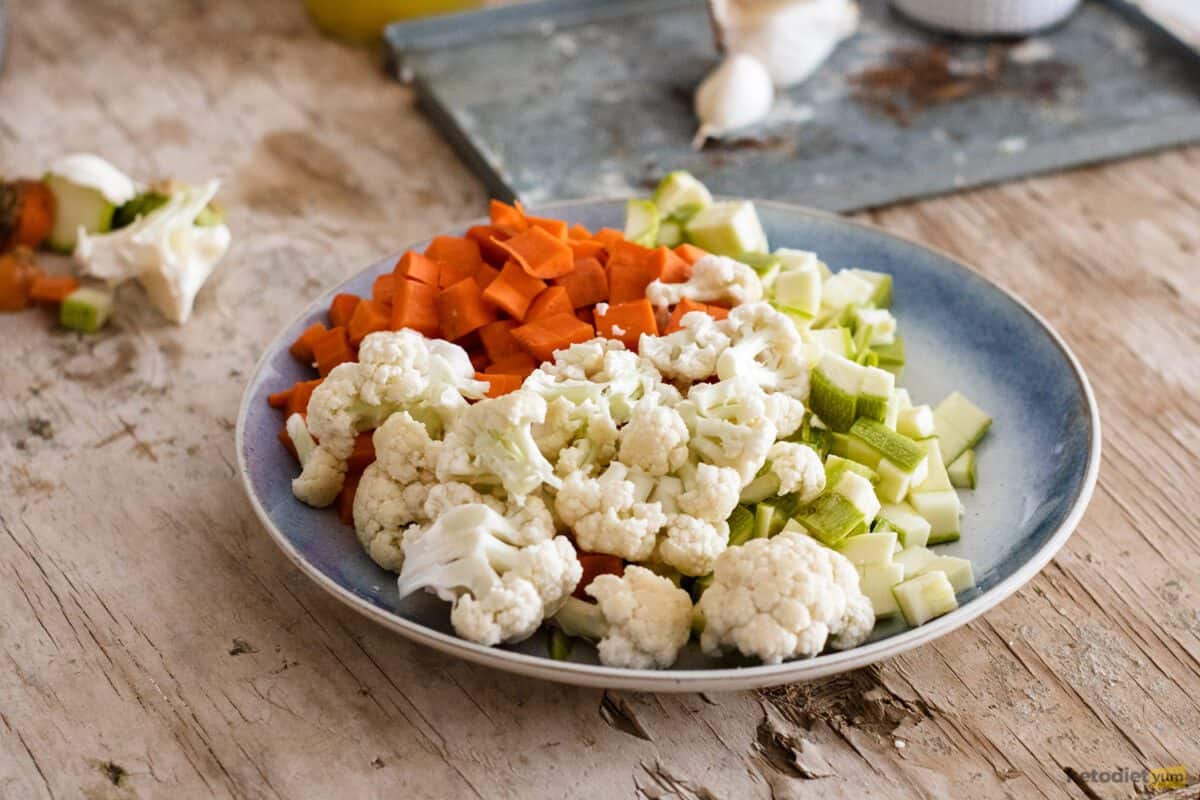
(1037, 467)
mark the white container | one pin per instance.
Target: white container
(988, 17)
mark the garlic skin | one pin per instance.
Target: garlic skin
(737, 93)
(792, 38)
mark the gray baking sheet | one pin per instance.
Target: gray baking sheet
(572, 98)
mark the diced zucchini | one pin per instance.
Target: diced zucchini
(881, 283)
(892, 415)
(818, 438)
(916, 422)
(680, 195)
(641, 222)
(836, 407)
(915, 560)
(836, 341)
(942, 510)
(912, 528)
(764, 521)
(793, 525)
(759, 489)
(831, 518)
(937, 480)
(962, 471)
(960, 425)
(798, 286)
(869, 548)
(903, 399)
(874, 391)
(880, 322)
(876, 582)
(670, 233)
(835, 465)
(560, 645)
(902, 451)
(925, 597)
(894, 482)
(859, 491)
(76, 207)
(728, 229)
(765, 265)
(890, 355)
(85, 309)
(856, 450)
(957, 570)
(845, 290)
(741, 526)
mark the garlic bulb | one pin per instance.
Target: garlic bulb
(792, 38)
(736, 94)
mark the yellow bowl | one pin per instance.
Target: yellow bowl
(364, 20)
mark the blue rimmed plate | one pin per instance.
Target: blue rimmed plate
(1037, 466)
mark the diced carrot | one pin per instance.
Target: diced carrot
(279, 399)
(542, 337)
(690, 253)
(498, 340)
(414, 305)
(500, 385)
(52, 288)
(631, 268)
(417, 267)
(485, 275)
(627, 322)
(514, 364)
(331, 349)
(717, 312)
(462, 309)
(33, 217)
(587, 284)
(342, 309)
(555, 227)
(540, 254)
(302, 348)
(485, 236)
(609, 237)
(345, 498)
(586, 314)
(363, 453)
(671, 267)
(17, 273)
(587, 248)
(510, 219)
(479, 360)
(369, 316)
(577, 231)
(456, 250)
(301, 393)
(686, 306)
(596, 564)
(513, 290)
(553, 300)
(384, 288)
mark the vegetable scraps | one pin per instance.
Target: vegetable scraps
(657, 431)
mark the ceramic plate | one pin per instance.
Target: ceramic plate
(1037, 467)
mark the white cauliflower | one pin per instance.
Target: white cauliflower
(610, 514)
(729, 425)
(601, 370)
(577, 437)
(641, 620)
(321, 473)
(765, 349)
(396, 371)
(715, 279)
(689, 354)
(799, 469)
(782, 598)
(709, 492)
(785, 411)
(655, 438)
(691, 545)
(385, 510)
(491, 443)
(697, 502)
(501, 590)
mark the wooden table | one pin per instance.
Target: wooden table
(157, 644)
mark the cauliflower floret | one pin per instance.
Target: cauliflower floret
(785, 411)
(655, 438)
(782, 598)
(641, 620)
(443, 497)
(321, 472)
(799, 469)
(709, 492)
(604, 371)
(501, 590)
(609, 513)
(396, 371)
(491, 443)
(715, 279)
(765, 349)
(404, 448)
(729, 425)
(577, 436)
(690, 353)
(692, 545)
(384, 510)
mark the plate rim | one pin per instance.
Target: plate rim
(723, 678)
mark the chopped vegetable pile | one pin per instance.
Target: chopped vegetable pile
(636, 437)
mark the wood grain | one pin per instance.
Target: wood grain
(157, 644)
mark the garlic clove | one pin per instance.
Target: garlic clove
(737, 93)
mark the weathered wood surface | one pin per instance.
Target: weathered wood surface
(157, 644)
